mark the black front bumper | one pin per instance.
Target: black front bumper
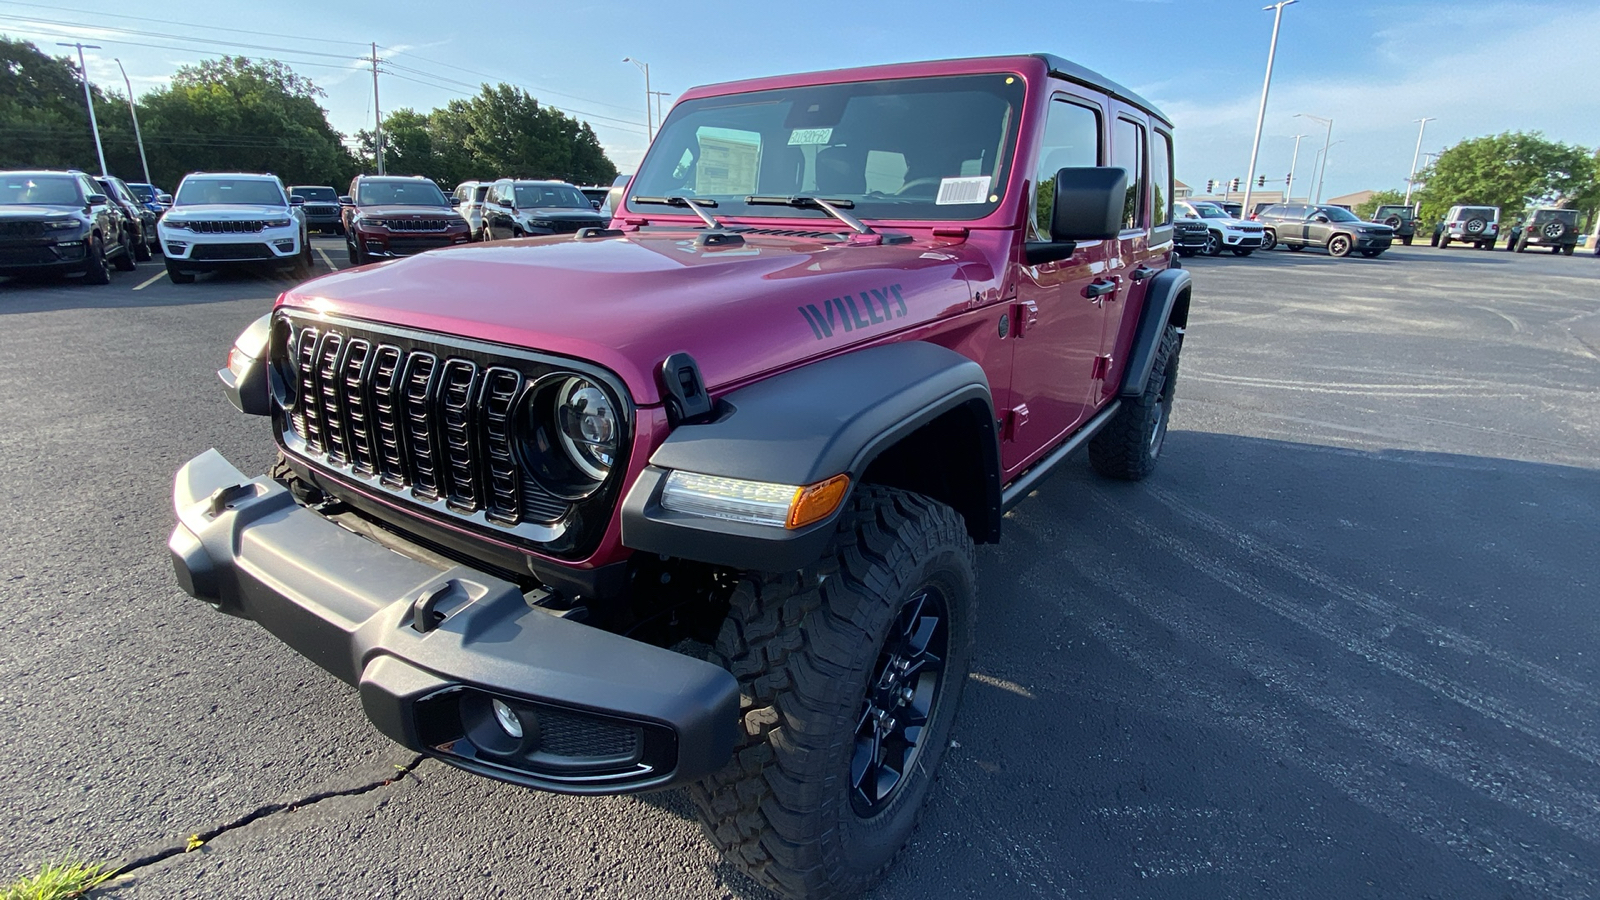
(600, 713)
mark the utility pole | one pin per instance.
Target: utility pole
(1288, 187)
(136, 135)
(377, 114)
(1261, 114)
(1411, 182)
(88, 100)
(649, 127)
(658, 95)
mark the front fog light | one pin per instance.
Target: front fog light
(507, 719)
(753, 502)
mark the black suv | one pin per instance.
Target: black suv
(60, 222)
(137, 221)
(321, 207)
(1299, 225)
(1403, 219)
(1189, 236)
(1546, 226)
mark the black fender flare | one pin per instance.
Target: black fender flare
(800, 427)
(1161, 299)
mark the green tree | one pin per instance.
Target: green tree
(43, 122)
(1512, 170)
(236, 114)
(1366, 208)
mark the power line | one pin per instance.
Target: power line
(171, 37)
(251, 31)
(529, 88)
(298, 62)
(629, 126)
(390, 65)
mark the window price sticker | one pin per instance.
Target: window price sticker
(972, 189)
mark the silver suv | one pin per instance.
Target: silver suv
(1479, 225)
(468, 200)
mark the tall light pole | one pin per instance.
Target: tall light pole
(1326, 143)
(88, 100)
(1411, 181)
(139, 137)
(1261, 114)
(649, 127)
(1288, 187)
(377, 115)
(658, 95)
(1324, 170)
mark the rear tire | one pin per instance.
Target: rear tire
(1444, 242)
(1295, 247)
(811, 650)
(1129, 445)
(141, 250)
(1568, 250)
(126, 261)
(1243, 251)
(177, 275)
(1406, 240)
(95, 270)
(1371, 254)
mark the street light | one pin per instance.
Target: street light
(1411, 182)
(1288, 187)
(1261, 114)
(649, 129)
(1324, 168)
(136, 135)
(1326, 143)
(88, 100)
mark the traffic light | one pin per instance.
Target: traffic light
(1261, 181)
(1211, 185)
(1234, 186)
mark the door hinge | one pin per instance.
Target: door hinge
(1016, 417)
(1102, 366)
(1025, 315)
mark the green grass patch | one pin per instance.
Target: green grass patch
(61, 880)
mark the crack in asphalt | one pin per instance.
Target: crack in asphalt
(262, 812)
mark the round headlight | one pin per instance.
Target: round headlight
(587, 427)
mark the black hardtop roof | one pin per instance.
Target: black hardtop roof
(1071, 71)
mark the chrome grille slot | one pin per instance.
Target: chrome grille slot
(502, 491)
(416, 386)
(455, 427)
(437, 424)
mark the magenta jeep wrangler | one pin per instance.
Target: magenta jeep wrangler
(692, 499)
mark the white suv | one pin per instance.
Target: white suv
(233, 220)
(468, 200)
(1224, 232)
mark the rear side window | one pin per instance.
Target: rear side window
(1161, 178)
(1127, 150)
(1071, 140)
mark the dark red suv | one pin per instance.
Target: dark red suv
(399, 216)
(692, 499)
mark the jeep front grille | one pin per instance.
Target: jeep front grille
(206, 226)
(432, 421)
(418, 224)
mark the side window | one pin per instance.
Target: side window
(88, 187)
(1161, 178)
(1128, 153)
(1071, 140)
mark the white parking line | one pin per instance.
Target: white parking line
(151, 280)
(324, 254)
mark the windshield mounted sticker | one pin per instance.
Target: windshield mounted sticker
(879, 304)
(970, 189)
(801, 137)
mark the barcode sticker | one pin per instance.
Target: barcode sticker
(801, 137)
(962, 190)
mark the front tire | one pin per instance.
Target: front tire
(95, 270)
(1213, 245)
(177, 275)
(837, 677)
(1339, 245)
(1129, 445)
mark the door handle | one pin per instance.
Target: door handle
(1099, 288)
(1142, 273)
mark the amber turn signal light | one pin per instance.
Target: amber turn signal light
(816, 502)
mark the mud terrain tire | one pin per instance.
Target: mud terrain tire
(811, 650)
(1128, 447)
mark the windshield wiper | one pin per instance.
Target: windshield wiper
(832, 206)
(693, 204)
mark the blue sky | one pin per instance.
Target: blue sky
(1373, 67)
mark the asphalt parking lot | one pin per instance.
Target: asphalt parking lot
(1343, 644)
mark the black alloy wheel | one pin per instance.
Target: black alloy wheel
(1269, 239)
(891, 732)
(95, 270)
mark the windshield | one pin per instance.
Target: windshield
(549, 196)
(400, 193)
(913, 148)
(245, 191)
(1207, 211)
(47, 190)
(316, 194)
(144, 192)
(1336, 214)
(1394, 211)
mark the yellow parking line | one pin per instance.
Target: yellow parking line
(151, 280)
(324, 254)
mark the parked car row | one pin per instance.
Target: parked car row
(65, 222)
(514, 208)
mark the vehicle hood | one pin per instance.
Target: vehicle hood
(560, 212)
(32, 211)
(408, 212)
(223, 212)
(630, 301)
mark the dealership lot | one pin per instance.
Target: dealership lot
(1341, 644)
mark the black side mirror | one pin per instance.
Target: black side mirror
(96, 199)
(1320, 219)
(595, 203)
(344, 200)
(1088, 204)
(297, 200)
